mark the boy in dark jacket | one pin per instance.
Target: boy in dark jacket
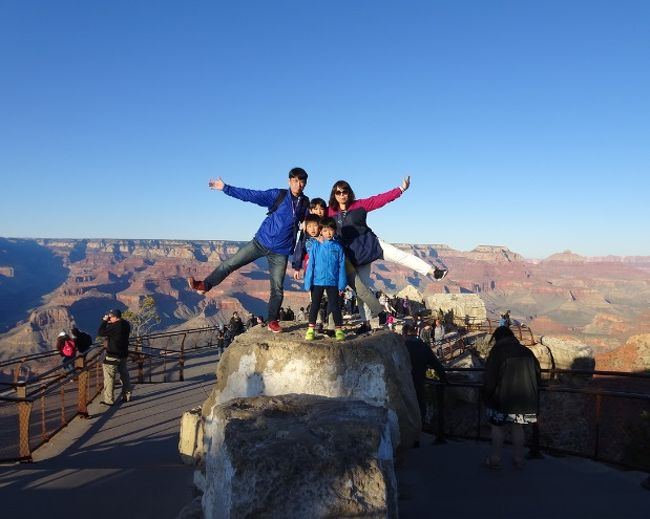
(275, 238)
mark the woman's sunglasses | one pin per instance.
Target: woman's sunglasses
(341, 192)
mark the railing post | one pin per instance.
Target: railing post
(181, 360)
(82, 388)
(24, 412)
(440, 402)
(140, 368)
(599, 401)
(478, 416)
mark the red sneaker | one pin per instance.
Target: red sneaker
(274, 326)
(199, 286)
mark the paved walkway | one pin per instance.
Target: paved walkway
(123, 462)
(448, 481)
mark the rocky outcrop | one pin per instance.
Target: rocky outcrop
(374, 369)
(299, 456)
(634, 355)
(601, 301)
(566, 353)
(468, 308)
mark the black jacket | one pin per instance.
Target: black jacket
(512, 376)
(422, 358)
(117, 334)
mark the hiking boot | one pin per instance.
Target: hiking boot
(310, 335)
(439, 274)
(364, 328)
(274, 326)
(197, 286)
(339, 335)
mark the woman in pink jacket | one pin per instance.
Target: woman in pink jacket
(361, 244)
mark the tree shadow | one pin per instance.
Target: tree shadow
(251, 304)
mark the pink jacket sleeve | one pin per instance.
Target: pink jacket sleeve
(375, 202)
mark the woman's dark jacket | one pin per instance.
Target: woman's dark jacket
(512, 375)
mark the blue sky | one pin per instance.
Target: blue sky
(522, 123)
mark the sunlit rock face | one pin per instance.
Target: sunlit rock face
(298, 456)
(374, 369)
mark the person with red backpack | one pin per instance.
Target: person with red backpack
(67, 348)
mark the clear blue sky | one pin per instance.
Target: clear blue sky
(522, 123)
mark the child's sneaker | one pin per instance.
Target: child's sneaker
(274, 326)
(311, 333)
(339, 335)
(198, 286)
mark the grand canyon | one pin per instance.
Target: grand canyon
(46, 285)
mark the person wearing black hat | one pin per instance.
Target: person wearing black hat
(116, 332)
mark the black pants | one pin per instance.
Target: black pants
(332, 303)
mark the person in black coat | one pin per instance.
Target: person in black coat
(422, 358)
(116, 332)
(510, 393)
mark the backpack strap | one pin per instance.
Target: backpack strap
(278, 200)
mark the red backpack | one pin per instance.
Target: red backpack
(69, 349)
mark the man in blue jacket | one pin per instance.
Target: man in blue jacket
(275, 238)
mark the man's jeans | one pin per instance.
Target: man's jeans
(109, 379)
(247, 254)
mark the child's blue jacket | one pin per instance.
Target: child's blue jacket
(326, 265)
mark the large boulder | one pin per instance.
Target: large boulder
(567, 353)
(373, 368)
(298, 456)
(467, 308)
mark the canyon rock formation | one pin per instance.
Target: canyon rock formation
(49, 284)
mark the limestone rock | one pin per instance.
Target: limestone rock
(466, 359)
(374, 368)
(568, 353)
(299, 456)
(465, 307)
(191, 436)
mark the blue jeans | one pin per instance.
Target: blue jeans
(247, 254)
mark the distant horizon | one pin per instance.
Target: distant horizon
(430, 244)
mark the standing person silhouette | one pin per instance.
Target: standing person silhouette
(275, 238)
(117, 331)
(510, 393)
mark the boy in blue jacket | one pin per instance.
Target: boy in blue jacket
(275, 238)
(325, 273)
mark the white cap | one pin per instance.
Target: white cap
(62, 334)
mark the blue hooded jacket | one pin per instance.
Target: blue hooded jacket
(278, 230)
(326, 265)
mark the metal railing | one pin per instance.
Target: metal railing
(40, 402)
(578, 414)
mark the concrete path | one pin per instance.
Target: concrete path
(448, 481)
(123, 463)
